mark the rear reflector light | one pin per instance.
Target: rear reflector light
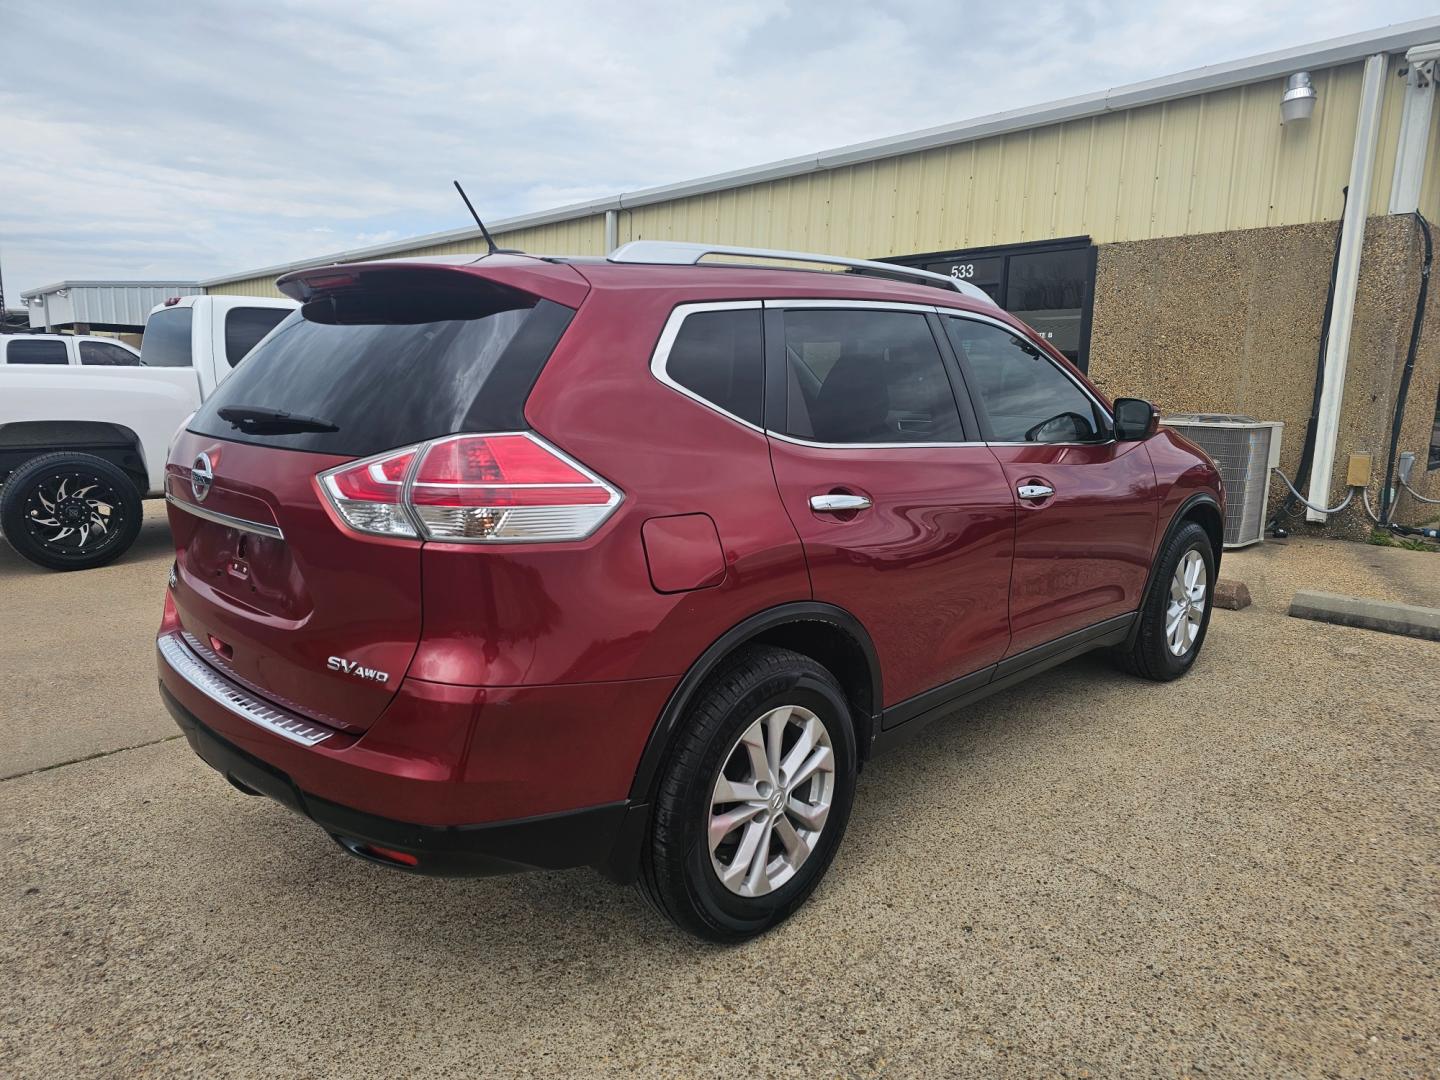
(391, 855)
(511, 487)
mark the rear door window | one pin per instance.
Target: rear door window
(383, 381)
(167, 338)
(103, 354)
(719, 356)
(21, 351)
(245, 326)
(863, 376)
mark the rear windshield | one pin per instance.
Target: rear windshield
(167, 338)
(384, 382)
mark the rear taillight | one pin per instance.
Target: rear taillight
(472, 489)
(368, 494)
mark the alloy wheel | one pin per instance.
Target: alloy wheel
(1185, 612)
(74, 513)
(771, 800)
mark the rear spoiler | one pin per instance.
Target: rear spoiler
(557, 282)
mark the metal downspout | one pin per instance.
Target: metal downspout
(1413, 144)
(1342, 318)
(612, 230)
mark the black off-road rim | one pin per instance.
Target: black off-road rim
(74, 514)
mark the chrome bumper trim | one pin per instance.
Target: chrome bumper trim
(259, 528)
(189, 667)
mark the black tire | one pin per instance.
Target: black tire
(677, 875)
(100, 528)
(1151, 655)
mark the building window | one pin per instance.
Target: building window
(1049, 285)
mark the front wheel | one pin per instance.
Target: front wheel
(70, 511)
(1176, 613)
(754, 799)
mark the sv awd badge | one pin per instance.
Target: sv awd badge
(352, 667)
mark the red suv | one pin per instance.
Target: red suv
(513, 562)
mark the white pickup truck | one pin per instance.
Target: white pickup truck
(62, 349)
(81, 446)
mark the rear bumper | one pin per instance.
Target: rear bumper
(458, 780)
(586, 837)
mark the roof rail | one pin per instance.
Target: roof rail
(676, 253)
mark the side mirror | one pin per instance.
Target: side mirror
(1135, 419)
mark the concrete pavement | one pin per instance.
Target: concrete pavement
(1233, 875)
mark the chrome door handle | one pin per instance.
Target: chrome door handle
(1035, 491)
(838, 504)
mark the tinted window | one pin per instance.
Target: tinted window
(37, 352)
(1025, 394)
(387, 384)
(720, 356)
(103, 354)
(1047, 289)
(866, 377)
(167, 338)
(247, 325)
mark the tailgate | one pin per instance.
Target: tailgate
(316, 619)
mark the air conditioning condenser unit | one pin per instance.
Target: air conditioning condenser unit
(1245, 449)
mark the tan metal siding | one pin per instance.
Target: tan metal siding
(1209, 163)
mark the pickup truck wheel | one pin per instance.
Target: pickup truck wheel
(70, 511)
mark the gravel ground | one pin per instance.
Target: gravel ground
(1234, 875)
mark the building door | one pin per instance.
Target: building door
(1050, 285)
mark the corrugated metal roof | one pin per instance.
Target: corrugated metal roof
(108, 284)
(101, 303)
(1204, 80)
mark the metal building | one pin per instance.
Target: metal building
(119, 306)
(1174, 237)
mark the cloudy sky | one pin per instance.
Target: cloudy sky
(144, 140)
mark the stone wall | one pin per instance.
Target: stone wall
(1230, 322)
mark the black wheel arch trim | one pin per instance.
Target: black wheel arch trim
(1177, 521)
(802, 611)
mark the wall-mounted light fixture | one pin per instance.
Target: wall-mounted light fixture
(1298, 101)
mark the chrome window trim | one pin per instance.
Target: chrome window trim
(243, 524)
(861, 305)
(661, 356)
(188, 666)
(881, 445)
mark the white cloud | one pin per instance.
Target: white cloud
(149, 140)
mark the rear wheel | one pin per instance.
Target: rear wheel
(754, 799)
(70, 511)
(1176, 614)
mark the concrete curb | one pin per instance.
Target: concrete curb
(1382, 615)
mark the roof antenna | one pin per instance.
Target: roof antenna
(489, 240)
